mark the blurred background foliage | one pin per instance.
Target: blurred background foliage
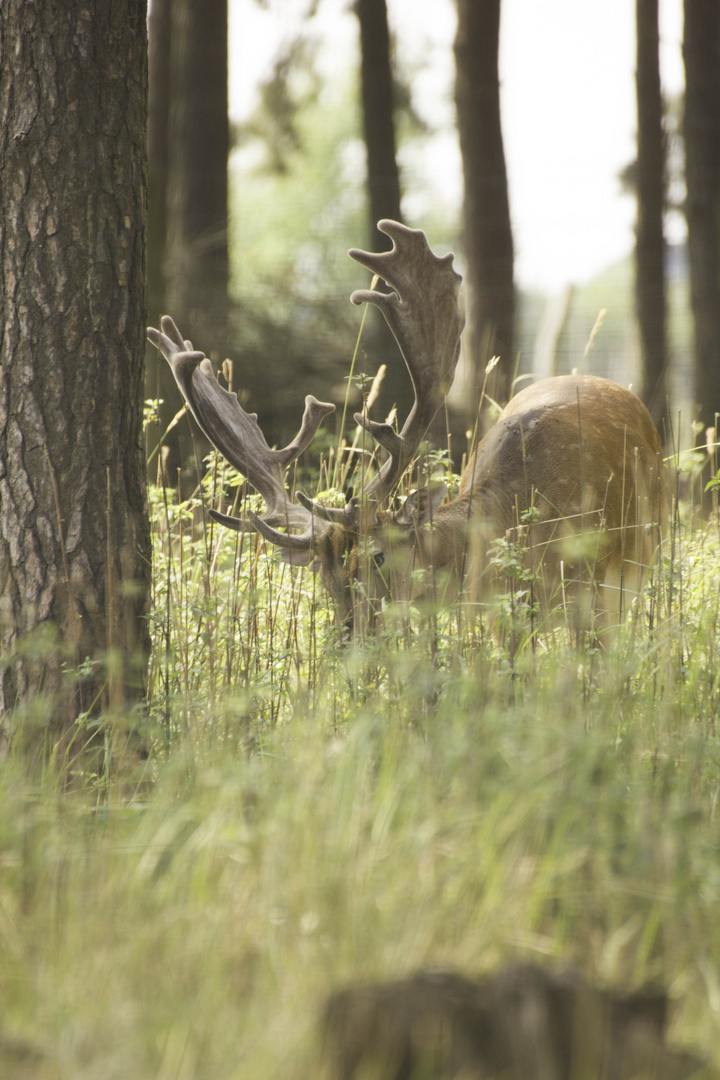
(299, 194)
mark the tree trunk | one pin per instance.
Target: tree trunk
(159, 381)
(650, 236)
(197, 268)
(383, 185)
(383, 178)
(159, 94)
(701, 53)
(490, 291)
(196, 265)
(74, 534)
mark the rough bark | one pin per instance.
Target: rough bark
(74, 535)
(650, 237)
(487, 232)
(701, 54)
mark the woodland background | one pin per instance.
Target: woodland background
(314, 139)
(211, 813)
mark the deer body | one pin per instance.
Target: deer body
(583, 453)
(572, 468)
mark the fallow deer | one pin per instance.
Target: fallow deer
(522, 1023)
(573, 466)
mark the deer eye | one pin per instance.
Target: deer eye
(379, 558)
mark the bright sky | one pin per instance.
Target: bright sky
(568, 110)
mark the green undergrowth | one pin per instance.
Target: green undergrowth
(449, 794)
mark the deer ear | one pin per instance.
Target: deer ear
(419, 508)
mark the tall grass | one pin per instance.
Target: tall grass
(444, 796)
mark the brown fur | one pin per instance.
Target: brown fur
(524, 1023)
(579, 452)
(584, 453)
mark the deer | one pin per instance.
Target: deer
(523, 1022)
(572, 470)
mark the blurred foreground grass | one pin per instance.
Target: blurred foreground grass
(320, 815)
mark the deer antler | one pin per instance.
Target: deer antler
(236, 434)
(426, 318)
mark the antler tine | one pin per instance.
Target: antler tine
(426, 318)
(234, 432)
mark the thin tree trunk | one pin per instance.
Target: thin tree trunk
(159, 95)
(701, 53)
(378, 117)
(650, 236)
(159, 381)
(196, 277)
(383, 184)
(74, 534)
(197, 267)
(487, 232)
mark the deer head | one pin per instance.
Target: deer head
(573, 467)
(424, 314)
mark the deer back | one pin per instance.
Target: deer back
(573, 470)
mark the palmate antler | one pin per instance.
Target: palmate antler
(424, 313)
(426, 319)
(236, 434)
(425, 316)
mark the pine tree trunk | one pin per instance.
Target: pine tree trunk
(197, 256)
(74, 535)
(383, 186)
(159, 95)
(159, 381)
(487, 232)
(701, 53)
(650, 236)
(378, 117)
